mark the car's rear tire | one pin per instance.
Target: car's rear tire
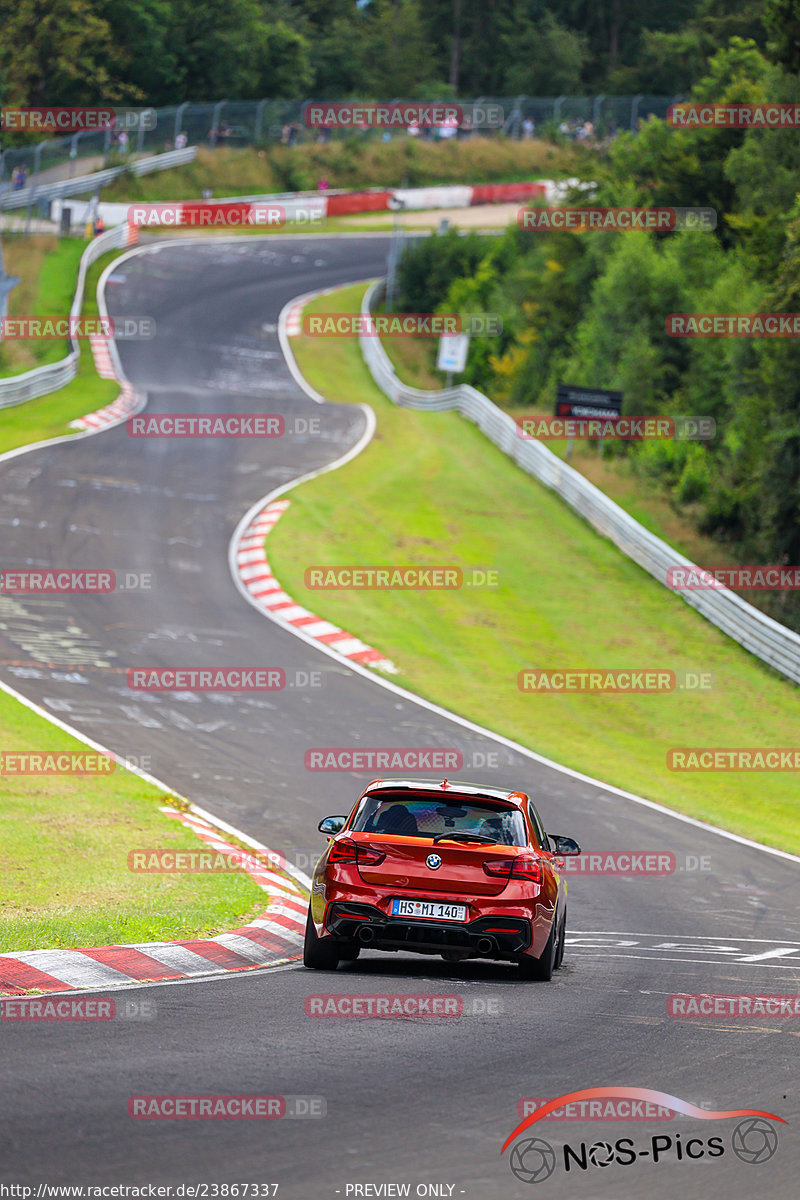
(349, 951)
(562, 937)
(542, 968)
(320, 954)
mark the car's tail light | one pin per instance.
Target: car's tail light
(346, 850)
(524, 866)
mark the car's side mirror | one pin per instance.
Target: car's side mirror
(564, 845)
(332, 824)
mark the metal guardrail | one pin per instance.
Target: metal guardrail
(767, 639)
(18, 388)
(81, 184)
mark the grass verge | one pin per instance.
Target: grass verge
(47, 268)
(401, 162)
(567, 599)
(49, 416)
(64, 844)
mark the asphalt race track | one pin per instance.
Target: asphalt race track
(408, 1101)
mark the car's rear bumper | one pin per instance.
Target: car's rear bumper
(495, 937)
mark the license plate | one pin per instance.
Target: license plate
(429, 908)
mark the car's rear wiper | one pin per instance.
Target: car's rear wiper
(455, 836)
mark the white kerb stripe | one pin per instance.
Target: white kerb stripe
(280, 931)
(71, 967)
(247, 949)
(179, 958)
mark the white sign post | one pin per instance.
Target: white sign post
(452, 356)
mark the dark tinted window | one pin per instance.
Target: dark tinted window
(410, 816)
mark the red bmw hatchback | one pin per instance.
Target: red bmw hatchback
(440, 868)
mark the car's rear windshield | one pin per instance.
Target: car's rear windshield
(410, 816)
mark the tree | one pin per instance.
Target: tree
(220, 50)
(339, 59)
(782, 20)
(285, 63)
(399, 60)
(59, 52)
(547, 59)
(145, 53)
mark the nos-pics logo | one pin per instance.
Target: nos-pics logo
(753, 1140)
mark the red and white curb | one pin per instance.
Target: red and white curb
(274, 938)
(294, 321)
(264, 589)
(101, 352)
(128, 402)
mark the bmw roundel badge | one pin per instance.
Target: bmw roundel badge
(433, 861)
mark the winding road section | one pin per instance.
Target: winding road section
(417, 1102)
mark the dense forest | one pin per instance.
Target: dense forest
(590, 308)
(162, 52)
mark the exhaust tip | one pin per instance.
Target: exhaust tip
(484, 945)
(366, 935)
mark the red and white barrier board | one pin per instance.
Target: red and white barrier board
(276, 210)
(505, 193)
(356, 202)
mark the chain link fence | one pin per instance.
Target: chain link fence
(240, 123)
